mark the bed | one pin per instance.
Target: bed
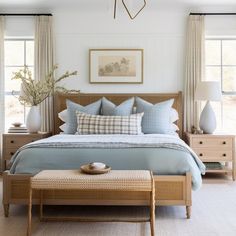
(172, 188)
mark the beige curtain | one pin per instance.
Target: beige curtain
(44, 59)
(2, 89)
(195, 69)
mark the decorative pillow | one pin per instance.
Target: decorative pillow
(63, 127)
(110, 109)
(174, 127)
(96, 124)
(71, 122)
(63, 115)
(174, 116)
(156, 117)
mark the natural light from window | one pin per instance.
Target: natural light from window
(18, 53)
(221, 66)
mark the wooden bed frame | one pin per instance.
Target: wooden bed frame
(170, 189)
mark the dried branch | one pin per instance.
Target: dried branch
(34, 92)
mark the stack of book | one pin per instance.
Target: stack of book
(213, 165)
(21, 129)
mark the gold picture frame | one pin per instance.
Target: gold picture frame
(116, 66)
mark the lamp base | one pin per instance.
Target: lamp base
(207, 119)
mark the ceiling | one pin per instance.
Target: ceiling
(97, 4)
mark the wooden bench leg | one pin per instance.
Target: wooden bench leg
(152, 209)
(6, 209)
(188, 212)
(29, 212)
(41, 206)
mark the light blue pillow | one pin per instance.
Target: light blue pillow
(156, 119)
(110, 109)
(71, 123)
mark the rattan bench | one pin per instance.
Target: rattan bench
(115, 180)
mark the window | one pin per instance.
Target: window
(221, 66)
(18, 53)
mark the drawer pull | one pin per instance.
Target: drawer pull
(224, 155)
(224, 142)
(200, 142)
(12, 153)
(12, 141)
(200, 154)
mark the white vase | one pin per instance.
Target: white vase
(33, 120)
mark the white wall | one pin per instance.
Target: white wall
(160, 34)
(159, 31)
(16, 26)
(220, 25)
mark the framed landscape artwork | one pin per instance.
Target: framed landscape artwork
(116, 66)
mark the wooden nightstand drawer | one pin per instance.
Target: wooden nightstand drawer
(9, 152)
(13, 141)
(214, 155)
(215, 148)
(198, 142)
(18, 142)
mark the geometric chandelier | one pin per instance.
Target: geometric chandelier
(127, 9)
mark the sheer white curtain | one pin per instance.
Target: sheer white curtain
(195, 69)
(2, 95)
(44, 59)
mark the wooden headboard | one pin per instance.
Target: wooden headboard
(86, 98)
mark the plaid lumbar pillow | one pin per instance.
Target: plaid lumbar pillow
(96, 124)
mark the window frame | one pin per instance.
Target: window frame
(221, 61)
(9, 93)
(224, 93)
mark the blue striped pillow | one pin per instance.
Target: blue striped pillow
(156, 119)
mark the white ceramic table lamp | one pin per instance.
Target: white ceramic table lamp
(208, 91)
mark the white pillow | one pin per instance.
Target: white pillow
(174, 127)
(63, 115)
(174, 116)
(63, 127)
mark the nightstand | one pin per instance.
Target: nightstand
(13, 141)
(217, 150)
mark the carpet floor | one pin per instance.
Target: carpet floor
(213, 214)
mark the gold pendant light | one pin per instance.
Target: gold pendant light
(127, 9)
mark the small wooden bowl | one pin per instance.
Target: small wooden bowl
(86, 169)
(17, 124)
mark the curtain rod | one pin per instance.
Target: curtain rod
(25, 14)
(213, 14)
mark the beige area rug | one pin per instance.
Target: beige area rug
(213, 214)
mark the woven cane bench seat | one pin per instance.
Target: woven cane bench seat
(138, 180)
(112, 182)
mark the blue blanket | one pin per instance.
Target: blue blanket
(163, 155)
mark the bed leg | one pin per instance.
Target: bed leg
(5, 196)
(188, 202)
(188, 212)
(6, 209)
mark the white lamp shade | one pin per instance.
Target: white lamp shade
(208, 91)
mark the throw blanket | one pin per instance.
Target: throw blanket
(114, 142)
